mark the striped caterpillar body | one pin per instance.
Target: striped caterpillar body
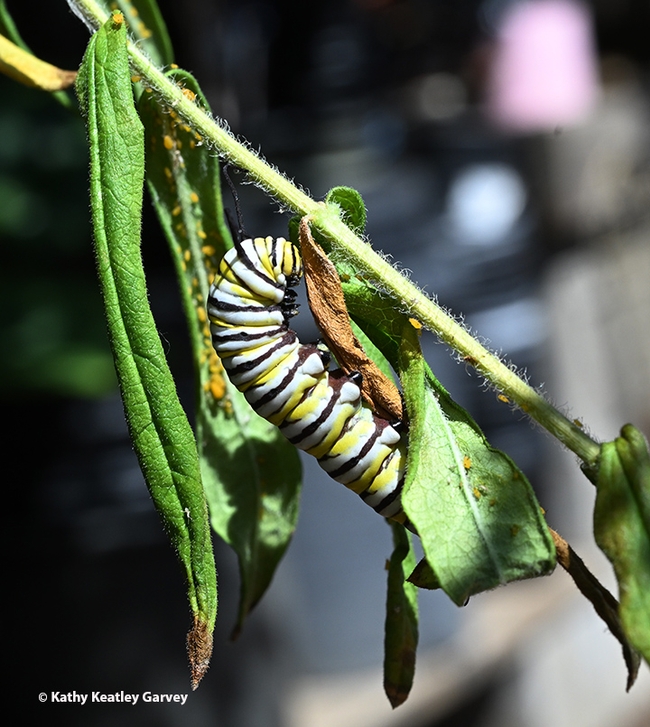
(287, 383)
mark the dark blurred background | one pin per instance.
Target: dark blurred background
(502, 151)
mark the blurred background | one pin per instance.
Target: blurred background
(503, 151)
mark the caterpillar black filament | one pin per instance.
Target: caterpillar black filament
(288, 383)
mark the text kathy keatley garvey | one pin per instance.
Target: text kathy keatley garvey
(114, 697)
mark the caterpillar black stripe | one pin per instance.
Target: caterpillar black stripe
(288, 383)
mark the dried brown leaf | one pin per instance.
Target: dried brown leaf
(327, 305)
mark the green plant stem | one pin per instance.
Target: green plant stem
(346, 243)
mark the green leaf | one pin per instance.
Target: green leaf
(250, 472)
(622, 528)
(401, 632)
(162, 437)
(352, 206)
(146, 25)
(253, 493)
(475, 512)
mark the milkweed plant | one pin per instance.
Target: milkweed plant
(472, 508)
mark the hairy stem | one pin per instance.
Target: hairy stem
(346, 243)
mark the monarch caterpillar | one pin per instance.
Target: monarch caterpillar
(289, 384)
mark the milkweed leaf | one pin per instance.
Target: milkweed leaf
(477, 517)
(622, 528)
(162, 437)
(401, 631)
(476, 514)
(353, 208)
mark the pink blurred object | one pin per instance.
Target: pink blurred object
(544, 72)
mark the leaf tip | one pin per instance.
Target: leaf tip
(633, 663)
(396, 694)
(199, 650)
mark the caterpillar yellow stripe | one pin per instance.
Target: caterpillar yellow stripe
(289, 384)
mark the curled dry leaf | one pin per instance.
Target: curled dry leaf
(327, 305)
(30, 70)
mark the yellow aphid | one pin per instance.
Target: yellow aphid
(503, 398)
(176, 211)
(168, 142)
(215, 361)
(217, 387)
(467, 462)
(194, 197)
